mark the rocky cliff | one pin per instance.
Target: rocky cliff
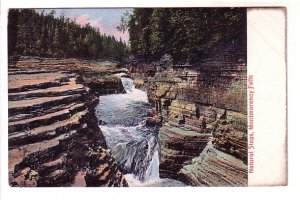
(54, 137)
(214, 168)
(201, 104)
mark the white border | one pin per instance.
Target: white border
(267, 65)
(293, 8)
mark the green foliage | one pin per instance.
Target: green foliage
(31, 33)
(188, 34)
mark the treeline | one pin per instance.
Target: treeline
(40, 34)
(188, 34)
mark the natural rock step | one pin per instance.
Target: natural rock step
(67, 89)
(39, 86)
(234, 143)
(45, 132)
(17, 72)
(36, 154)
(192, 122)
(40, 105)
(73, 119)
(59, 177)
(174, 154)
(176, 120)
(104, 172)
(53, 164)
(38, 113)
(53, 131)
(193, 128)
(19, 155)
(21, 83)
(37, 110)
(48, 173)
(175, 124)
(43, 120)
(180, 111)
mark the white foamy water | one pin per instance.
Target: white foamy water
(132, 92)
(133, 144)
(161, 182)
(152, 172)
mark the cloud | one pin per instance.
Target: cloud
(82, 20)
(124, 36)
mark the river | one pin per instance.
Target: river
(134, 145)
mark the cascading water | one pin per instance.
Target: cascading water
(152, 172)
(134, 145)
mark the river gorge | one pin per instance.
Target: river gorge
(165, 105)
(90, 126)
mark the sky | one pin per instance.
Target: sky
(106, 19)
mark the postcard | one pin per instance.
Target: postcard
(145, 97)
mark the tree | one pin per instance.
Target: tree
(188, 34)
(32, 33)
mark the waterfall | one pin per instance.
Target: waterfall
(133, 144)
(152, 172)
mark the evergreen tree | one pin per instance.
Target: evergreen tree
(32, 33)
(188, 34)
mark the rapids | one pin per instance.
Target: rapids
(134, 145)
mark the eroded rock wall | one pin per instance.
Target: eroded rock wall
(201, 104)
(54, 137)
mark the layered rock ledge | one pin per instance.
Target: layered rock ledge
(54, 137)
(215, 168)
(203, 108)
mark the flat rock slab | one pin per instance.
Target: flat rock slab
(21, 80)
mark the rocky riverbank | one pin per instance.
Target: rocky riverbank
(54, 137)
(203, 136)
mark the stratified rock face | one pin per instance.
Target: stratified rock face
(53, 131)
(221, 87)
(230, 135)
(103, 84)
(199, 104)
(178, 146)
(215, 168)
(103, 170)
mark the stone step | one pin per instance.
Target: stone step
(61, 91)
(18, 155)
(39, 86)
(35, 154)
(59, 177)
(26, 82)
(45, 132)
(193, 128)
(40, 112)
(18, 72)
(67, 89)
(44, 120)
(193, 122)
(40, 104)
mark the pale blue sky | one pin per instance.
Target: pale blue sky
(106, 19)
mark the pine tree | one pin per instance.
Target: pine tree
(32, 33)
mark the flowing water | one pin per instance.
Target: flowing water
(134, 145)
